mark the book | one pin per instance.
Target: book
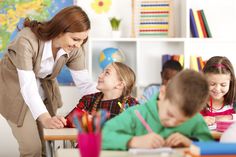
(188, 154)
(206, 24)
(165, 150)
(212, 148)
(202, 24)
(181, 60)
(193, 26)
(199, 29)
(193, 63)
(165, 58)
(200, 63)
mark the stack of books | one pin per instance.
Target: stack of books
(199, 25)
(196, 63)
(179, 58)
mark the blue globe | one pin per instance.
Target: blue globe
(110, 55)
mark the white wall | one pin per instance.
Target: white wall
(8, 144)
(100, 22)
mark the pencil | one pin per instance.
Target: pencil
(76, 122)
(121, 106)
(145, 124)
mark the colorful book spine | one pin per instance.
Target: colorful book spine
(165, 58)
(181, 60)
(193, 25)
(199, 29)
(178, 58)
(201, 63)
(175, 57)
(193, 63)
(202, 24)
(206, 24)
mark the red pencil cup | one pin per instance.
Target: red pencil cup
(89, 144)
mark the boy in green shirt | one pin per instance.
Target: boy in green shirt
(174, 118)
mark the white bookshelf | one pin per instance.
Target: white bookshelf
(144, 54)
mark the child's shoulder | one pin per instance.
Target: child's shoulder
(131, 101)
(196, 118)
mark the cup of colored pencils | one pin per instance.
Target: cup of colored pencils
(89, 132)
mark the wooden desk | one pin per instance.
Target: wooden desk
(75, 153)
(216, 134)
(51, 135)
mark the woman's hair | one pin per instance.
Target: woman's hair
(222, 65)
(126, 75)
(70, 19)
(189, 90)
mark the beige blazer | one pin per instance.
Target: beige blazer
(25, 53)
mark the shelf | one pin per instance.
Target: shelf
(144, 55)
(139, 39)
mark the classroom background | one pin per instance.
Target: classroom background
(137, 35)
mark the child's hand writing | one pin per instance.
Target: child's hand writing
(178, 140)
(151, 140)
(210, 120)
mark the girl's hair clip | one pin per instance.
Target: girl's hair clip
(219, 66)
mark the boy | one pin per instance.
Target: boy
(173, 118)
(169, 69)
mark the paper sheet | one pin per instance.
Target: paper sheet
(151, 151)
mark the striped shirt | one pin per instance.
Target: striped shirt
(225, 110)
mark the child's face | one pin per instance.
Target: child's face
(218, 85)
(108, 79)
(167, 75)
(170, 114)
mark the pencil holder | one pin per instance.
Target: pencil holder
(89, 144)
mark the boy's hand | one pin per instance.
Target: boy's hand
(210, 120)
(178, 140)
(49, 122)
(151, 140)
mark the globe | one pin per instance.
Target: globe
(110, 55)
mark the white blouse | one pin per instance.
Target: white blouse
(31, 88)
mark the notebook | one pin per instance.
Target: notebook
(163, 150)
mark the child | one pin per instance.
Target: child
(115, 83)
(169, 69)
(221, 78)
(174, 118)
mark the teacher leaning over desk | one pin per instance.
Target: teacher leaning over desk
(29, 92)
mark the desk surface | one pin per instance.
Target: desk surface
(75, 153)
(71, 134)
(60, 134)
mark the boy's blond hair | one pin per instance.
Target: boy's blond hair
(188, 89)
(127, 75)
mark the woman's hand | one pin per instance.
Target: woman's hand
(151, 140)
(49, 122)
(178, 140)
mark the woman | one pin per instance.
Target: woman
(29, 93)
